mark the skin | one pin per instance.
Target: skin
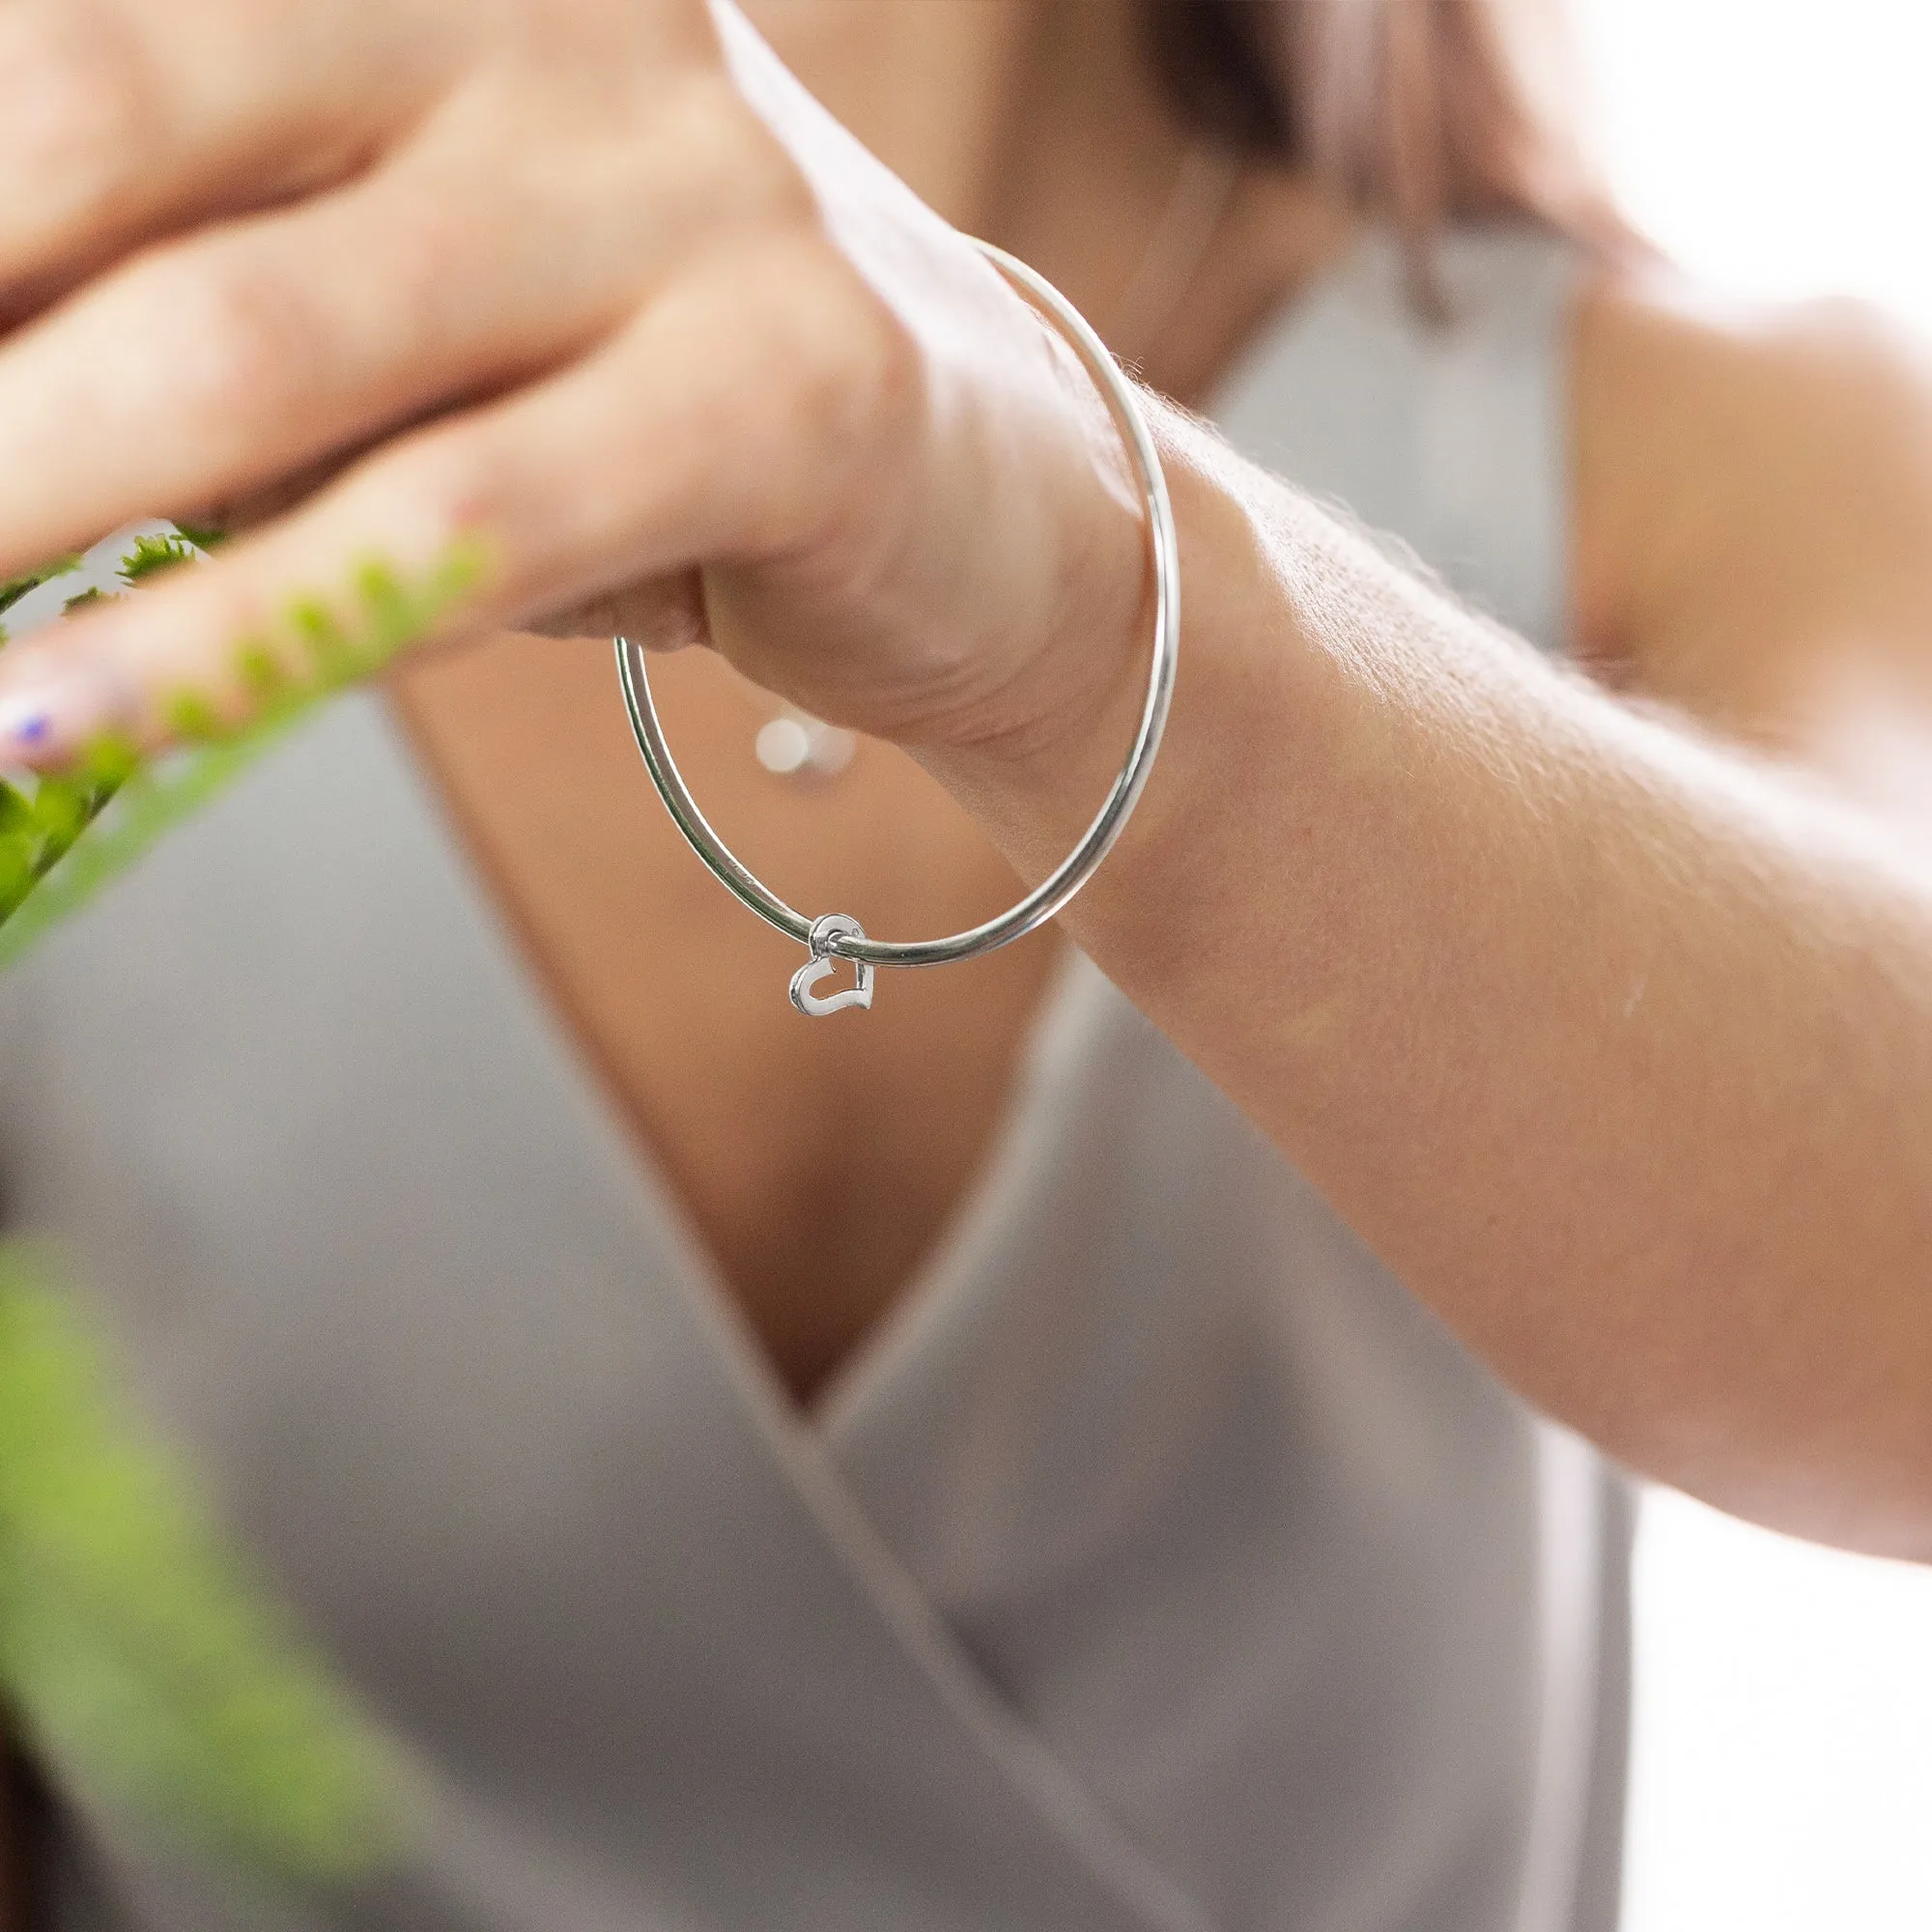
(1602, 1009)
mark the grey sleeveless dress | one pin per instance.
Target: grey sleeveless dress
(1162, 1566)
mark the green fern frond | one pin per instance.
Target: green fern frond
(17, 588)
(158, 797)
(140, 1658)
(53, 858)
(152, 555)
(139, 1655)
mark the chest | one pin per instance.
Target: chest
(816, 1162)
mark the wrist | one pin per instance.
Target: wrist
(1035, 783)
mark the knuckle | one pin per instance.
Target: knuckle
(854, 364)
(735, 171)
(451, 491)
(234, 344)
(819, 391)
(82, 109)
(429, 255)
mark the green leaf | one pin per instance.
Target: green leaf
(151, 805)
(16, 811)
(152, 555)
(89, 825)
(16, 588)
(16, 870)
(62, 807)
(142, 1657)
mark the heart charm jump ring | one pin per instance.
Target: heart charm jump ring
(824, 962)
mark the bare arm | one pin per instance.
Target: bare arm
(1615, 1043)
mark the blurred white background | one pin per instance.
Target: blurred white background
(1783, 1773)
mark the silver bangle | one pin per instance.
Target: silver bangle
(836, 935)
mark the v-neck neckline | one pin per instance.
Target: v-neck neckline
(952, 1261)
(799, 1439)
(957, 1259)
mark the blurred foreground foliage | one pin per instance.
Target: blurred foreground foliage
(138, 1656)
(59, 842)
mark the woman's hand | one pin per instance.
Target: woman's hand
(591, 286)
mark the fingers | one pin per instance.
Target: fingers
(224, 362)
(660, 613)
(122, 118)
(715, 426)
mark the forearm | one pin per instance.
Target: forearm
(1616, 1048)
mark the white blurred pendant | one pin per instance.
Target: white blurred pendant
(798, 745)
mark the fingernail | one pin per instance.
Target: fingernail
(48, 712)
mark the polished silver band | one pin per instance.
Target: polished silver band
(835, 935)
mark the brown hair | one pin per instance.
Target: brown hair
(1420, 111)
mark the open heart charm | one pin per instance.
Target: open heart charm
(824, 962)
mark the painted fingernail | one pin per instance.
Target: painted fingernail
(52, 710)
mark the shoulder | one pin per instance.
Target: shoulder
(1751, 484)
